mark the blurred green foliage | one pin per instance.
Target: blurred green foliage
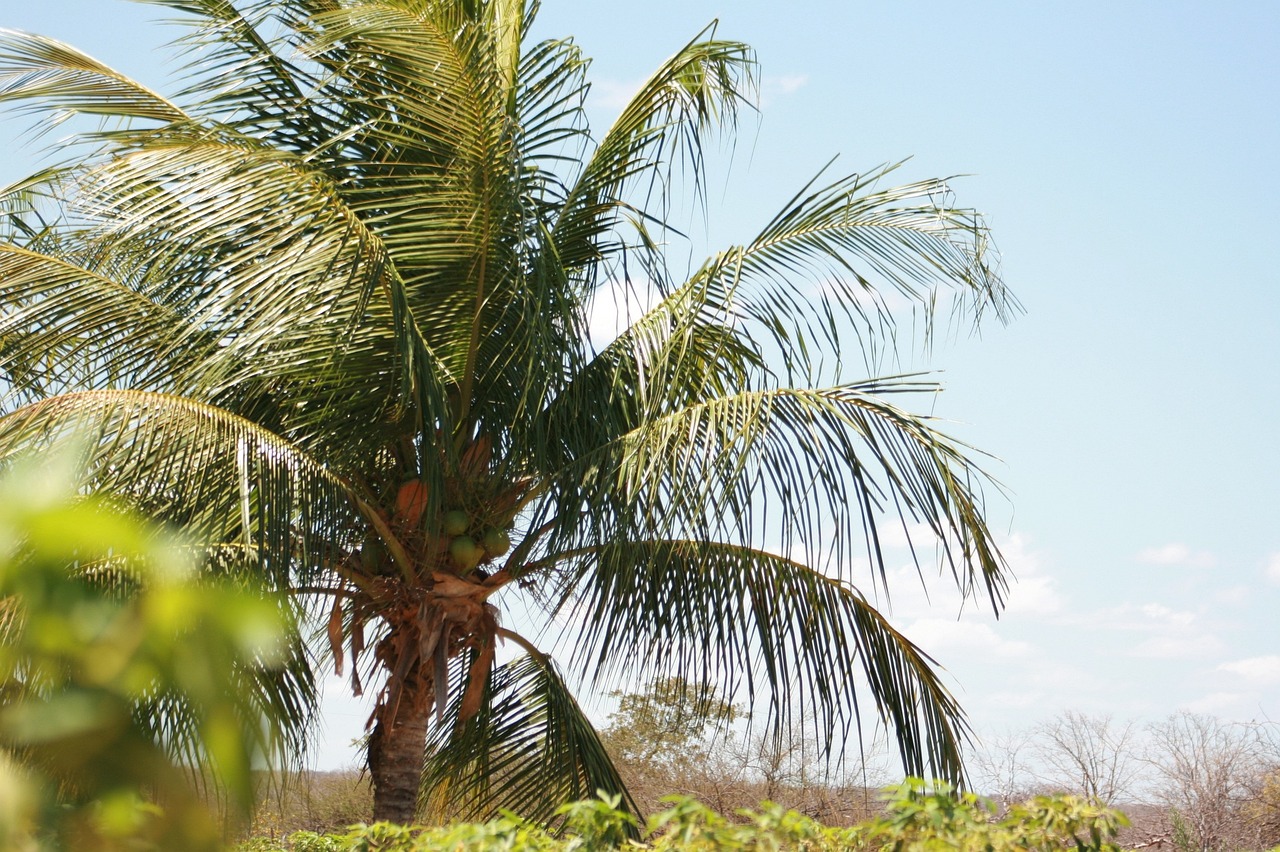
(113, 649)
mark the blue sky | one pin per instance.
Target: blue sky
(1125, 155)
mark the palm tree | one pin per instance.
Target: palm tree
(327, 311)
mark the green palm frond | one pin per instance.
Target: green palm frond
(65, 327)
(773, 626)
(216, 475)
(241, 70)
(839, 252)
(62, 81)
(820, 468)
(697, 89)
(214, 220)
(529, 749)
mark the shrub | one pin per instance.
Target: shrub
(918, 817)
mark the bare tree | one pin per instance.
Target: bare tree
(1208, 771)
(1091, 756)
(1001, 768)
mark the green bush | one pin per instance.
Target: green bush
(107, 642)
(917, 818)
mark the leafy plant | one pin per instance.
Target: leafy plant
(922, 817)
(122, 670)
(917, 818)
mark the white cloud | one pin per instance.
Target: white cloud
(773, 86)
(938, 635)
(1239, 595)
(1176, 554)
(1258, 671)
(1019, 699)
(785, 83)
(1228, 705)
(1032, 592)
(1184, 647)
(1163, 614)
(615, 306)
(1273, 568)
(896, 536)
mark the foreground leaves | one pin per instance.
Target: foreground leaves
(124, 681)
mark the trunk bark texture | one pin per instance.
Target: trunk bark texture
(396, 755)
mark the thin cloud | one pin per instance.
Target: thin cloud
(774, 87)
(1273, 568)
(1228, 705)
(615, 307)
(936, 634)
(1185, 647)
(1257, 671)
(1176, 554)
(612, 95)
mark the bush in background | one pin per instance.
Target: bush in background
(917, 818)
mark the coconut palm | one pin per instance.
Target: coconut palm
(327, 310)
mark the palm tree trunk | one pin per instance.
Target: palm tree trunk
(396, 754)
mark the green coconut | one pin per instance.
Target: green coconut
(456, 522)
(465, 553)
(372, 553)
(496, 542)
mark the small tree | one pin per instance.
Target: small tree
(669, 728)
(1001, 767)
(1206, 767)
(1091, 756)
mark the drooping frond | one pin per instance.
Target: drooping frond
(528, 750)
(742, 617)
(819, 469)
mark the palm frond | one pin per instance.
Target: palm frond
(843, 251)
(698, 88)
(219, 223)
(218, 476)
(66, 328)
(529, 750)
(705, 611)
(815, 468)
(61, 81)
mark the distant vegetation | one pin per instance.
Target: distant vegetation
(916, 818)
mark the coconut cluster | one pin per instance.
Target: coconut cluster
(471, 527)
(468, 545)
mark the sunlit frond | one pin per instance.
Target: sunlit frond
(699, 88)
(217, 476)
(61, 81)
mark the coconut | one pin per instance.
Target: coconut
(411, 501)
(372, 553)
(496, 542)
(455, 522)
(464, 551)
